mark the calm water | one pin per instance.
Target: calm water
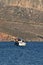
(10, 54)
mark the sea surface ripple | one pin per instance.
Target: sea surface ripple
(31, 54)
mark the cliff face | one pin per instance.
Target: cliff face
(24, 3)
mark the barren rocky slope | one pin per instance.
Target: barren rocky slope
(37, 4)
(5, 37)
(25, 22)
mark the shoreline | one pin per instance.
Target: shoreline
(4, 37)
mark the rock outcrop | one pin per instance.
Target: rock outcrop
(6, 37)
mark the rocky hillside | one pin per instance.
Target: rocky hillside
(38, 4)
(6, 37)
(21, 19)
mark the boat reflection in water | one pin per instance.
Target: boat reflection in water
(20, 42)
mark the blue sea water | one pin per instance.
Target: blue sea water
(31, 54)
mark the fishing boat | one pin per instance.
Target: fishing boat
(20, 42)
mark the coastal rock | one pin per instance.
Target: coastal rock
(6, 37)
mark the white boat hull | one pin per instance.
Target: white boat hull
(22, 44)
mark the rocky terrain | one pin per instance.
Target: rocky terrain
(22, 20)
(5, 37)
(36, 4)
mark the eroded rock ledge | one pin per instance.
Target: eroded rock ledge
(6, 37)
